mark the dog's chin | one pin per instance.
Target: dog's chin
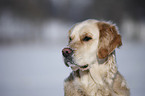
(76, 67)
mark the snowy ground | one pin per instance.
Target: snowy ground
(38, 70)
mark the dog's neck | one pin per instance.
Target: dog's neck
(100, 74)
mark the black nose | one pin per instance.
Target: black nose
(67, 52)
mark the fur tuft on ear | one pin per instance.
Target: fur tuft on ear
(109, 39)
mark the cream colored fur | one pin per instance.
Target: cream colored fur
(100, 79)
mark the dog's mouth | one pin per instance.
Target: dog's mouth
(85, 66)
(82, 68)
(75, 66)
(69, 62)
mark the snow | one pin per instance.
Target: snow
(131, 64)
(30, 70)
(38, 70)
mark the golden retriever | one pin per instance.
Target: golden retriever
(91, 55)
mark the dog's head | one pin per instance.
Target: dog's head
(89, 40)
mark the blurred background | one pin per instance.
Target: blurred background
(33, 33)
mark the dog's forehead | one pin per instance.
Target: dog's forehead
(88, 26)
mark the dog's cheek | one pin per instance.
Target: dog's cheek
(87, 57)
(91, 58)
(86, 53)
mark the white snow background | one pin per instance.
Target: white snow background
(38, 69)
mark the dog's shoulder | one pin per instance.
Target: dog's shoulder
(120, 85)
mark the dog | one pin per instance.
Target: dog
(91, 55)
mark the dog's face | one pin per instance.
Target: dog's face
(87, 41)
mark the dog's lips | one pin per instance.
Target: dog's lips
(76, 66)
(70, 62)
(84, 67)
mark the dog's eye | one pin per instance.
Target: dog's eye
(70, 39)
(86, 38)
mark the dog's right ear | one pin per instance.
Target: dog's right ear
(109, 39)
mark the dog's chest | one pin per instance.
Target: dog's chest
(88, 84)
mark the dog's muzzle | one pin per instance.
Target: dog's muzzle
(68, 59)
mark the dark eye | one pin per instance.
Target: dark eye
(70, 39)
(86, 38)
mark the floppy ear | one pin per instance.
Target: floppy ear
(109, 39)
